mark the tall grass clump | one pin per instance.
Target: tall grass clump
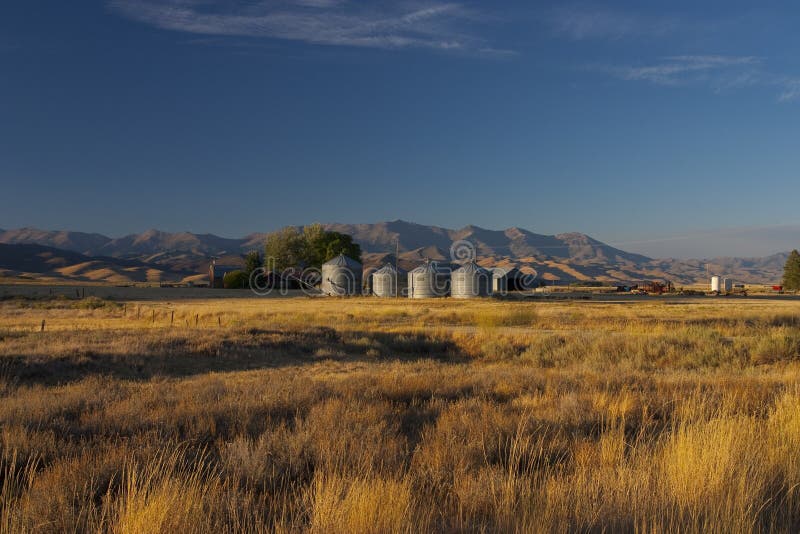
(368, 415)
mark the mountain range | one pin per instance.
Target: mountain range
(156, 256)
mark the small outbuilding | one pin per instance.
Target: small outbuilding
(510, 280)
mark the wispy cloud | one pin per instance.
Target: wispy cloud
(403, 24)
(677, 70)
(580, 22)
(717, 72)
(791, 91)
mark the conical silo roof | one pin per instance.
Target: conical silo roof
(387, 269)
(343, 261)
(471, 268)
(428, 267)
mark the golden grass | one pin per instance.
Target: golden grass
(360, 415)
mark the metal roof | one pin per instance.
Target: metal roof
(343, 261)
(428, 267)
(472, 268)
(388, 269)
(511, 273)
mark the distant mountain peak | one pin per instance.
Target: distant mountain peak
(564, 257)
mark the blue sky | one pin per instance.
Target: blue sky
(671, 129)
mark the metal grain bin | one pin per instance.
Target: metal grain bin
(341, 276)
(471, 281)
(499, 281)
(386, 280)
(429, 280)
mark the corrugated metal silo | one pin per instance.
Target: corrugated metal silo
(341, 276)
(471, 281)
(386, 280)
(428, 280)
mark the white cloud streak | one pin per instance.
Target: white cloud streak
(718, 73)
(677, 70)
(405, 24)
(791, 91)
(580, 23)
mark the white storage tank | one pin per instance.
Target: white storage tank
(471, 281)
(386, 280)
(341, 276)
(429, 280)
(715, 285)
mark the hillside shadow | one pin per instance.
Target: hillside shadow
(184, 355)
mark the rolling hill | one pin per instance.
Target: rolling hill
(42, 263)
(163, 256)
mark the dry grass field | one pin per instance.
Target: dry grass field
(362, 415)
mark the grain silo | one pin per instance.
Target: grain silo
(715, 284)
(341, 276)
(471, 281)
(429, 280)
(386, 280)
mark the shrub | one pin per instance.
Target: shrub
(235, 280)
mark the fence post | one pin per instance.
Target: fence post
(42, 325)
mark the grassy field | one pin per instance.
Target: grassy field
(362, 415)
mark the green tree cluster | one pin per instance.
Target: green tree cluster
(252, 261)
(311, 247)
(235, 280)
(791, 272)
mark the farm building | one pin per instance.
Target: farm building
(429, 280)
(387, 280)
(511, 280)
(470, 281)
(341, 276)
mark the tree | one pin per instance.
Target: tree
(284, 249)
(336, 243)
(323, 245)
(314, 236)
(310, 248)
(252, 262)
(235, 280)
(791, 272)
